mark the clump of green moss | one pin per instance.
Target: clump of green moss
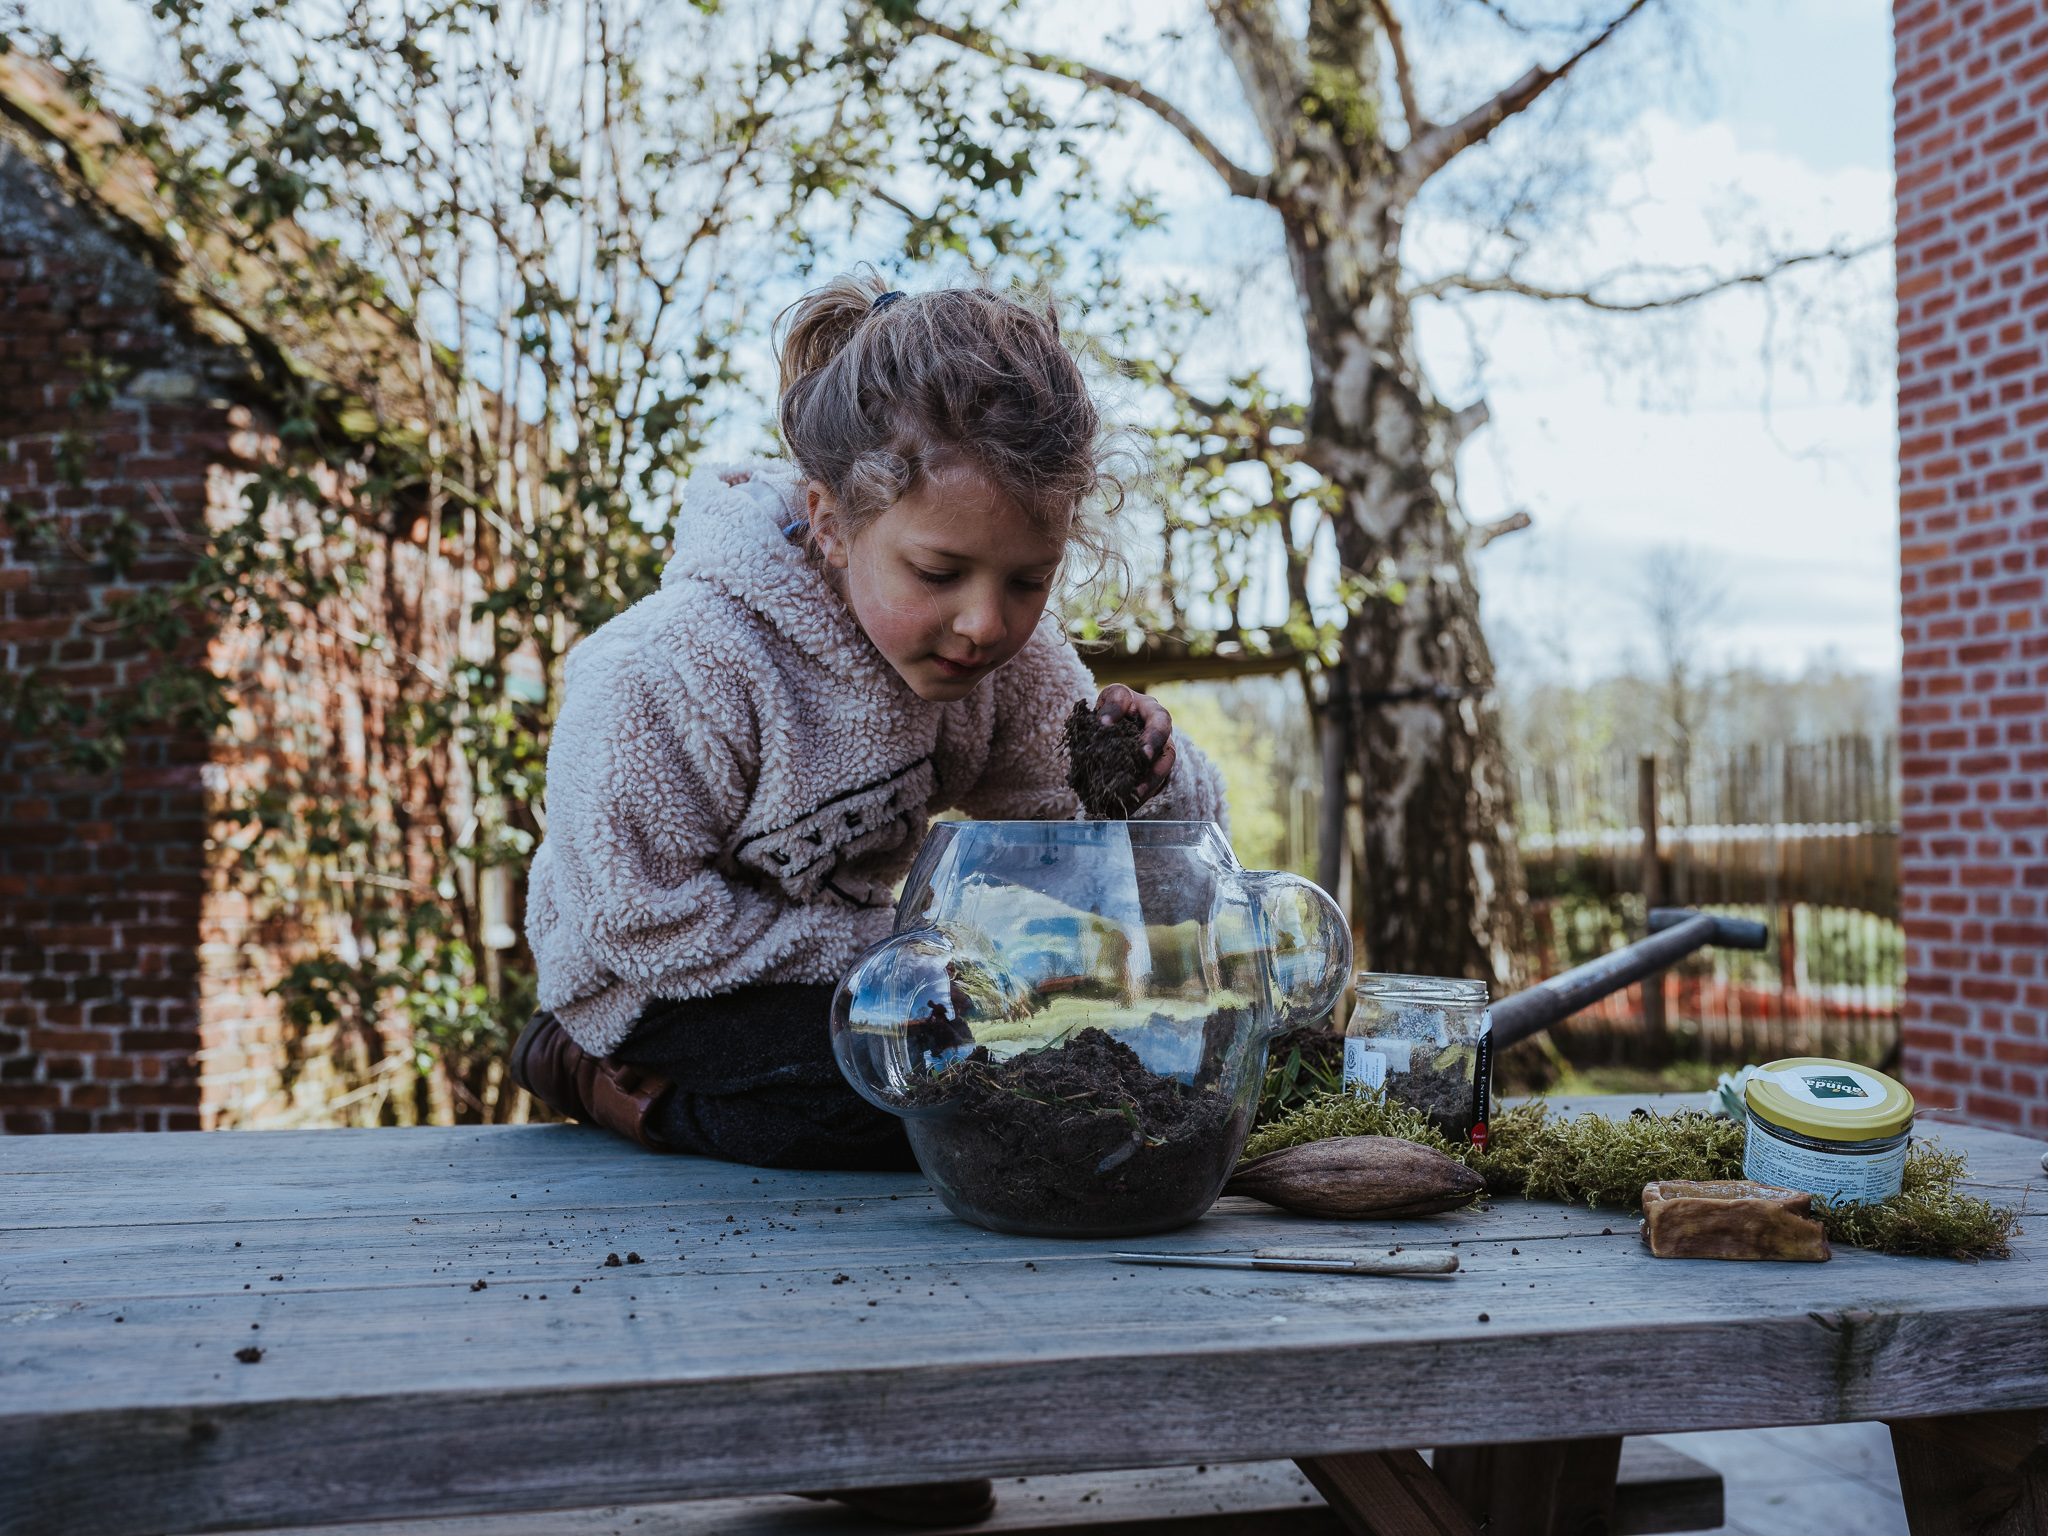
(1930, 1216)
(1596, 1161)
(1324, 1115)
(1592, 1160)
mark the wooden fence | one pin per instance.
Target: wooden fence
(1845, 781)
(1803, 837)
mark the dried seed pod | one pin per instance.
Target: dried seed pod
(1350, 1178)
(1106, 764)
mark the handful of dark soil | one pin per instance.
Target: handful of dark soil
(1106, 764)
(1079, 1140)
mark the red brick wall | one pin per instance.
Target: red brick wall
(1972, 156)
(101, 878)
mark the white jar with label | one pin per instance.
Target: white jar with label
(1832, 1129)
(1425, 1041)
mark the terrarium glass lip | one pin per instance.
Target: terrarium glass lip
(1422, 989)
(1149, 834)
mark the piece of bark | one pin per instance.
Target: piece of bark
(1349, 1178)
(1731, 1219)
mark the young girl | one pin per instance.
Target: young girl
(746, 761)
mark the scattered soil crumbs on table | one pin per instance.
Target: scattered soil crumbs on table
(1081, 1136)
(1106, 764)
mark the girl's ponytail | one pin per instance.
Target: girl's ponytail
(877, 395)
(818, 326)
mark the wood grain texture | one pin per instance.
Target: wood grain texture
(784, 1328)
(1535, 1488)
(1661, 1490)
(1980, 1474)
(1387, 1493)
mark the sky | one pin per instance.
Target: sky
(1757, 431)
(1793, 509)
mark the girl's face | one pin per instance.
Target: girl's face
(948, 583)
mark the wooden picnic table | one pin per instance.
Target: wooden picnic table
(442, 1330)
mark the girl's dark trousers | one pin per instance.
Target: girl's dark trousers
(755, 1083)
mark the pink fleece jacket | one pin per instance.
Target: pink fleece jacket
(738, 780)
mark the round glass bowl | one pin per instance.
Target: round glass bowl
(1072, 1016)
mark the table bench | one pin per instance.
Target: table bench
(793, 1330)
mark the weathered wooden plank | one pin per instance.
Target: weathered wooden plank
(987, 1301)
(1258, 1499)
(1534, 1488)
(1387, 1493)
(1659, 1490)
(1980, 1474)
(231, 1464)
(1035, 1356)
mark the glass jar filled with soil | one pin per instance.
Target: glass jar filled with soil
(1426, 1042)
(1072, 1016)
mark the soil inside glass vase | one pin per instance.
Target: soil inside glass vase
(1081, 1137)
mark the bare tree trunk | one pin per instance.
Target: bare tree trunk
(1442, 888)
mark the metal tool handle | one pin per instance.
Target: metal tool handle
(1675, 932)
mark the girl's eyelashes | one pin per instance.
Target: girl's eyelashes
(932, 578)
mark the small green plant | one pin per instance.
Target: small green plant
(1300, 1064)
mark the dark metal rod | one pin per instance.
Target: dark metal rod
(1674, 934)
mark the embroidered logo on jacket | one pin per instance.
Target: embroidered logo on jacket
(805, 858)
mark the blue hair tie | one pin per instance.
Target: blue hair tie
(884, 301)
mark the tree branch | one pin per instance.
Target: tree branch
(1170, 659)
(1425, 156)
(1242, 182)
(1485, 533)
(1418, 125)
(1272, 67)
(1465, 282)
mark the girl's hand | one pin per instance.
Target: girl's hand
(1118, 701)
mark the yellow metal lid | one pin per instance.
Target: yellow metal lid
(1828, 1100)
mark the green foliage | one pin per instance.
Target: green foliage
(1593, 1160)
(1294, 1077)
(1597, 1161)
(1931, 1216)
(1326, 1115)
(499, 311)
(496, 309)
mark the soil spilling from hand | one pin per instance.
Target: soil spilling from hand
(1106, 764)
(1079, 1140)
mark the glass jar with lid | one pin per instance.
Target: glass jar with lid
(1829, 1128)
(1424, 1041)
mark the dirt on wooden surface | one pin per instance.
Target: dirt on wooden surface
(1106, 764)
(1081, 1137)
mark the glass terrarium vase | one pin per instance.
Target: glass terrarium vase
(1072, 1016)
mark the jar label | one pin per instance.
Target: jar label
(1364, 1067)
(1838, 1086)
(1840, 1178)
